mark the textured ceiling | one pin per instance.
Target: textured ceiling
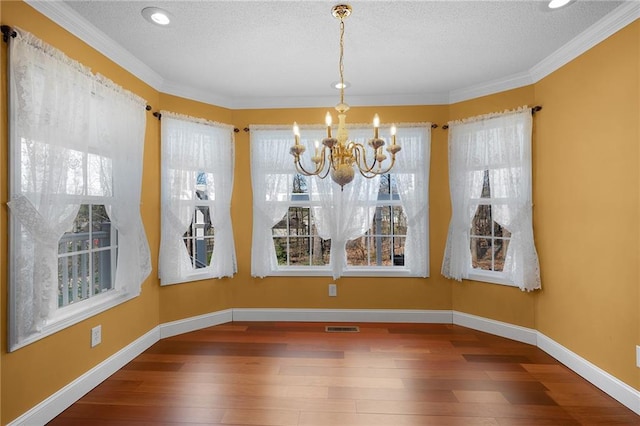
(277, 53)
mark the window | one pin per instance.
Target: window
(198, 239)
(295, 236)
(197, 179)
(77, 242)
(309, 226)
(383, 243)
(491, 233)
(87, 256)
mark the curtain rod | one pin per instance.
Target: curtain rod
(7, 32)
(533, 111)
(158, 115)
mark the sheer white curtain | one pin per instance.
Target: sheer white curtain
(412, 179)
(58, 155)
(120, 119)
(191, 147)
(272, 171)
(501, 144)
(49, 128)
(344, 213)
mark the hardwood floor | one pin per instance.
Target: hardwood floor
(296, 374)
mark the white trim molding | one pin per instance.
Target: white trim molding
(65, 397)
(199, 322)
(498, 328)
(342, 315)
(609, 384)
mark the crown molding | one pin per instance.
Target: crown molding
(619, 18)
(488, 88)
(70, 20)
(73, 22)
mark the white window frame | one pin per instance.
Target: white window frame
(260, 133)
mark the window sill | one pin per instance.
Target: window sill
(75, 313)
(490, 277)
(322, 272)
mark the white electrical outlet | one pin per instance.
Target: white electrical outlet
(96, 335)
(333, 290)
(638, 356)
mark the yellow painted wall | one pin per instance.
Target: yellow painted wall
(31, 374)
(498, 302)
(586, 194)
(586, 161)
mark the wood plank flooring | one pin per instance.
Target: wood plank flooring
(296, 374)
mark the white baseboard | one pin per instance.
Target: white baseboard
(342, 315)
(195, 323)
(609, 384)
(498, 328)
(62, 399)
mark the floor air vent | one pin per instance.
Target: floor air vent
(342, 329)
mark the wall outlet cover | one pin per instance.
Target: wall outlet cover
(96, 335)
(333, 290)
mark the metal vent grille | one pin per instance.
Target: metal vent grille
(342, 329)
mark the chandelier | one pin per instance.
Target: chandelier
(339, 156)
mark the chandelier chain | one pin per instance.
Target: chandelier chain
(341, 62)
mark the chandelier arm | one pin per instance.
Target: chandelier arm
(380, 172)
(361, 153)
(326, 173)
(300, 168)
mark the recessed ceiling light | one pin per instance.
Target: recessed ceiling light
(157, 16)
(555, 4)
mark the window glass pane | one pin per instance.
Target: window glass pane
(296, 240)
(398, 251)
(199, 238)
(102, 271)
(481, 222)
(358, 251)
(299, 221)
(481, 253)
(300, 184)
(321, 250)
(383, 244)
(73, 278)
(205, 186)
(299, 251)
(486, 188)
(86, 255)
(282, 248)
(500, 231)
(501, 246)
(381, 251)
(100, 226)
(99, 175)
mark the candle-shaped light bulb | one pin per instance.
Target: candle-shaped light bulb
(393, 133)
(296, 132)
(317, 144)
(376, 124)
(327, 119)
